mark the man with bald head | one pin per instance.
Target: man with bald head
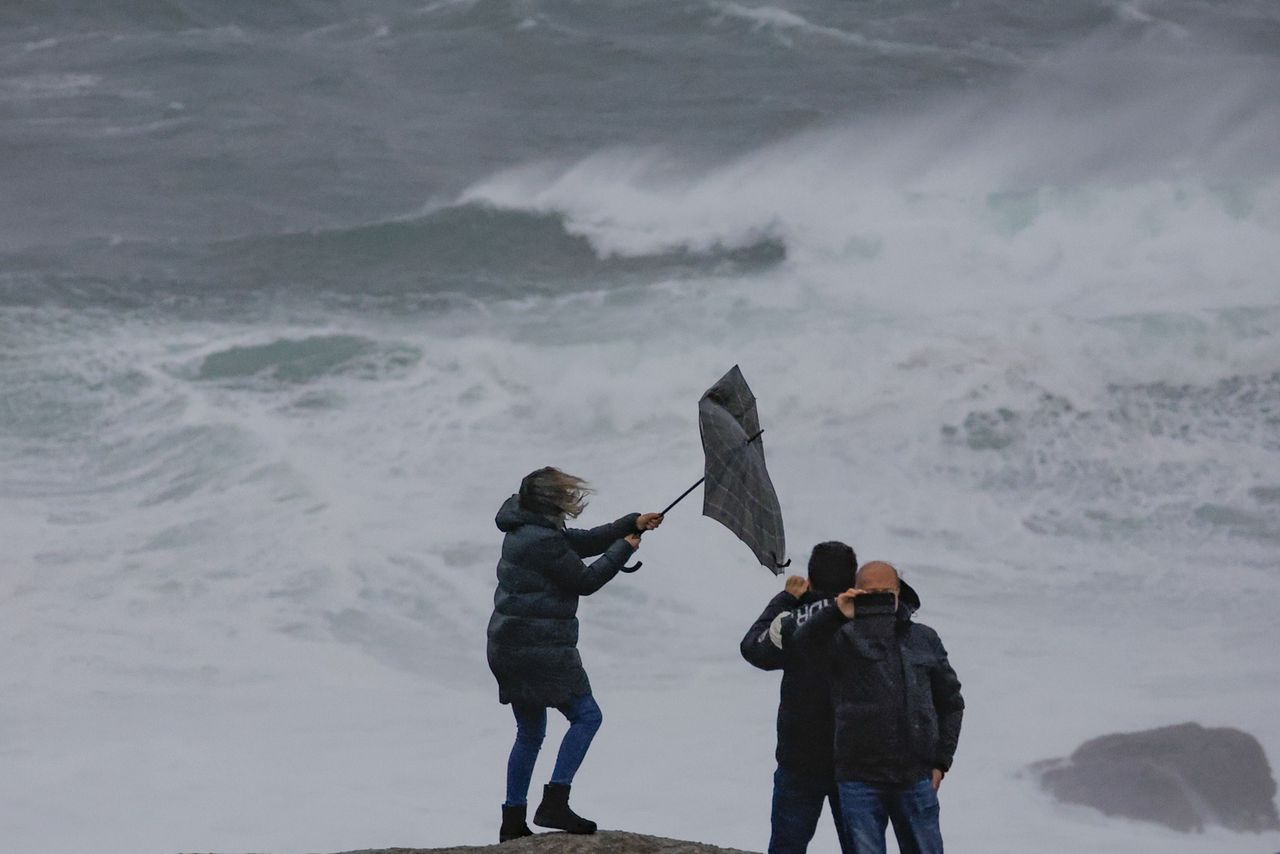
(897, 707)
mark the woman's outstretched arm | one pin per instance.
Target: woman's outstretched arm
(567, 571)
(594, 541)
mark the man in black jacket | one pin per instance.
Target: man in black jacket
(897, 707)
(806, 773)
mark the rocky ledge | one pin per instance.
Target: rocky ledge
(605, 842)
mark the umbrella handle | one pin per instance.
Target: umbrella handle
(638, 563)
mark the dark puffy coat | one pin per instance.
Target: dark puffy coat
(806, 728)
(896, 699)
(533, 633)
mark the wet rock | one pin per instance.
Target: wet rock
(1184, 777)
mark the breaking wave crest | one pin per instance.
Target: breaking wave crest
(476, 249)
(462, 253)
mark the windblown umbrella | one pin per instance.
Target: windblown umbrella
(738, 493)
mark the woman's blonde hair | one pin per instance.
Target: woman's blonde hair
(552, 492)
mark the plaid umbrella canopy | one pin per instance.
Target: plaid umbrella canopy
(738, 492)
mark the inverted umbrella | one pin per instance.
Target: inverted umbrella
(738, 493)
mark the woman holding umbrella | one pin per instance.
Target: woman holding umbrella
(533, 633)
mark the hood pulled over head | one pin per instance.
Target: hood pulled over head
(511, 515)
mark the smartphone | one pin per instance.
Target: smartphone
(867, 601)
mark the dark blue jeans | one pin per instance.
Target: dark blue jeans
(531, 728)
(797, 806)
(912, 809)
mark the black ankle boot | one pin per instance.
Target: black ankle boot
(513, 826)
(554, 812)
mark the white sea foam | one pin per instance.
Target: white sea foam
(784, 21)
(50, 85)
(260, 607)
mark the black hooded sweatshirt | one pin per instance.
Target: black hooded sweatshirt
(804, 709)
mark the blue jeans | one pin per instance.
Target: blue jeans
(912, 809)
(797, 806)
(531, 728)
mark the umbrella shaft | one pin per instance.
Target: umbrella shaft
(685, 494)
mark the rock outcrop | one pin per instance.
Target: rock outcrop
(1184, 777)
(605, 842)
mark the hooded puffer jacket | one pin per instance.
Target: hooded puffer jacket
(533, 633)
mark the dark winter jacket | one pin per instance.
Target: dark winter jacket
(533, 633)
(896, 700)
(805, 728)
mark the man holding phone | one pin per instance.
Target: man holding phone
(898, 710)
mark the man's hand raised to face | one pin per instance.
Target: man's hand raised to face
(797, 585)
(845, 601)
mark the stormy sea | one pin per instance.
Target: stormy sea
(292, 294)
